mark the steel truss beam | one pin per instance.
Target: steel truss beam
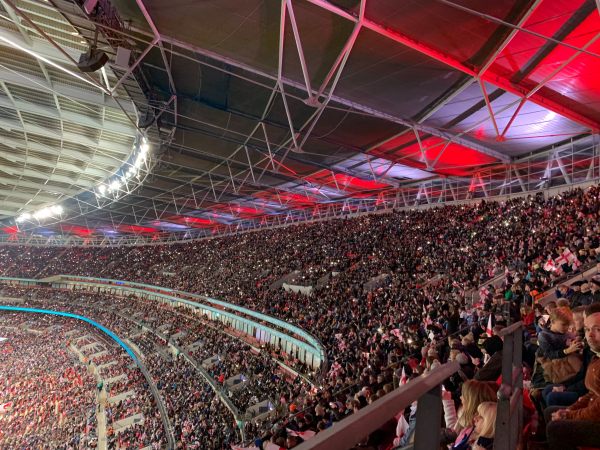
(336, 99)
(503, 83)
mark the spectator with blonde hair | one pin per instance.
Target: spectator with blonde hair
(473, 394)
(485, 426)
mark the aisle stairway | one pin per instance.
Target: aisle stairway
(100, 395)
(101, 418)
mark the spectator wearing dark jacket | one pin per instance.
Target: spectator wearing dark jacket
(553, 343)
(586, 296)
(493, 368)
(564, 291)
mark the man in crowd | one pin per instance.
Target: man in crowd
(578, 425)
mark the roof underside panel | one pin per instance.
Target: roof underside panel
(246, 31)
(391, 78)
(339, 111)
(438, 29)
(533, 126)
(561, 70)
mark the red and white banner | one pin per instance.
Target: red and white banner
(483, 293)
(401, 429)
(303, 434)
(6, 407)
(550, 266)
(403, 377)
(567, 257)
(571, 259)
(489, 330)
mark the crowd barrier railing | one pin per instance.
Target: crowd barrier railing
(426, 390)
(161, 406)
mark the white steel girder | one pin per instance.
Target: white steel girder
(78, 119)
(74, 138)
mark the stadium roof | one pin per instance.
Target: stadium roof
(265, 109)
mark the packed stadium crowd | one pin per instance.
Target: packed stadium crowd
(47, 396)
(188, 399)
(391, 300)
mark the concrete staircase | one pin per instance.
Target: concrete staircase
(120, 397)
(123, 424)
(101, 418)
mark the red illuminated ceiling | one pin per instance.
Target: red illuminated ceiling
(77, 230)
(434, 153)
(502, 80)
(136, 229)
(574, 87)
(195, 222)
(286, 198)
(344, 182)
(237, 210)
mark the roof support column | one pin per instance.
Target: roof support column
(305, 74)
(336, 68)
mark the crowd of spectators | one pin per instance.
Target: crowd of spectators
(113, 363)
(264, 378)
(419, 317)
(47, 397)
(188, 399)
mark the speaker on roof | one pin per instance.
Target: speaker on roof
(147, 119)
(92, 60)
(122, 58)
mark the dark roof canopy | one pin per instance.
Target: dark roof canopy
(265, 108)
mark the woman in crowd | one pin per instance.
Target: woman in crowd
(474, 393)
(485, 426)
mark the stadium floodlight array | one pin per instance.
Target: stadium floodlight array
(113, 186)
(110, 189)
(41, 214)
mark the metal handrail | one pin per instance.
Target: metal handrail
(161, 405)
(426, 389)
(510, 330)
